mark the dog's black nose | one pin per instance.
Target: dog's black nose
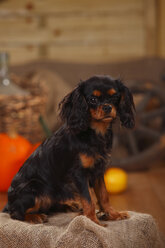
(107, 108)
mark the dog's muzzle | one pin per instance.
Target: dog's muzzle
(107, 108)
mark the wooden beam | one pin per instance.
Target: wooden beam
(161, 28)
(150, 23)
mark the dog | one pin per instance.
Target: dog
(72, 162)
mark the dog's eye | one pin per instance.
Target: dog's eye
(93, 100)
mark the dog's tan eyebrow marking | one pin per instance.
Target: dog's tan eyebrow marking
(111, 92)
(87, 161)
(96, 93)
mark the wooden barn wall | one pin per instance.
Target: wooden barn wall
(161, 28)
(89, 31)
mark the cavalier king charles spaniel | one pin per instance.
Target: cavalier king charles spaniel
(69, 165)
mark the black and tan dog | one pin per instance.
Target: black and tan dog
(73, 160)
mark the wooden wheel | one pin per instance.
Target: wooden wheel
(136, 149)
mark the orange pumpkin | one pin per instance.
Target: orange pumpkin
(34, 147)
(13, 152)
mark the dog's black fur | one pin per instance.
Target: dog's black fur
(73, 160)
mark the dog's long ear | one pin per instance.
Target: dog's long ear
(126, 106)
(74, 110)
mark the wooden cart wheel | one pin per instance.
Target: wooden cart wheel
(138, 148)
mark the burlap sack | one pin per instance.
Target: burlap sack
(67, 231)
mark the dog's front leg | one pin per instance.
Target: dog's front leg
(86, 199)
(103, 201)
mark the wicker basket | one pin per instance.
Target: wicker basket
(22, 112)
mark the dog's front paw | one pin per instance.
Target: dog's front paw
(123, 215)
(36, 218)
(114, 216)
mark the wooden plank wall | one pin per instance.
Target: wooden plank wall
(90, 31)
(161, 28)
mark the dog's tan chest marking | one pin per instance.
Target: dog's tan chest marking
(99, 127)
(87, 161)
